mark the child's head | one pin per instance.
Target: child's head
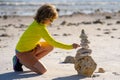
(46, 11)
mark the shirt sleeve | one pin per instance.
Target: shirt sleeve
(48, 38)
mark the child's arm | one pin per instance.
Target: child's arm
(45, 35)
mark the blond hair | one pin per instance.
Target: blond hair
(46, 11)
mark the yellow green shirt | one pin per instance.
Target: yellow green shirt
(32, 36)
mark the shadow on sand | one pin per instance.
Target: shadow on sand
(17, 75)
(72, 77)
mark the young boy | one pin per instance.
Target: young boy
(29, 49)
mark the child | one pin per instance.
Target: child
(29, 50)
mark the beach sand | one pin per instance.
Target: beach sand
(102, 29)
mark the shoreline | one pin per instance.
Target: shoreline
(74, 13)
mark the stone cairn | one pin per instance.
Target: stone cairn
(84, 64)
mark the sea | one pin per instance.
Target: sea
(66, 7)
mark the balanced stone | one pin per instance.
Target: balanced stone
(84, 64)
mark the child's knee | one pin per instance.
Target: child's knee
(40, 68)
(41, 72)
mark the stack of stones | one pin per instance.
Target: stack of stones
(84, 64)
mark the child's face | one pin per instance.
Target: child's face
(51, 20)
(48, 21)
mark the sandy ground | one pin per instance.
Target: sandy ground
(103, 30)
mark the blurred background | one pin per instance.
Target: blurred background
(66, 7)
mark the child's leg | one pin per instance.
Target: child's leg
(41, 69)
(42, 49)
(30, 61)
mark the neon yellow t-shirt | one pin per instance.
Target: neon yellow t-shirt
(32, 36)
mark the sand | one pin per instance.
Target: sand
(103, 30)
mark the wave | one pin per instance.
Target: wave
(58, 3)
(29, 7)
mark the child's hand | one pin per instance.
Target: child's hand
(75, 45)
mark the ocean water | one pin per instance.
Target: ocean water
(29, 7)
